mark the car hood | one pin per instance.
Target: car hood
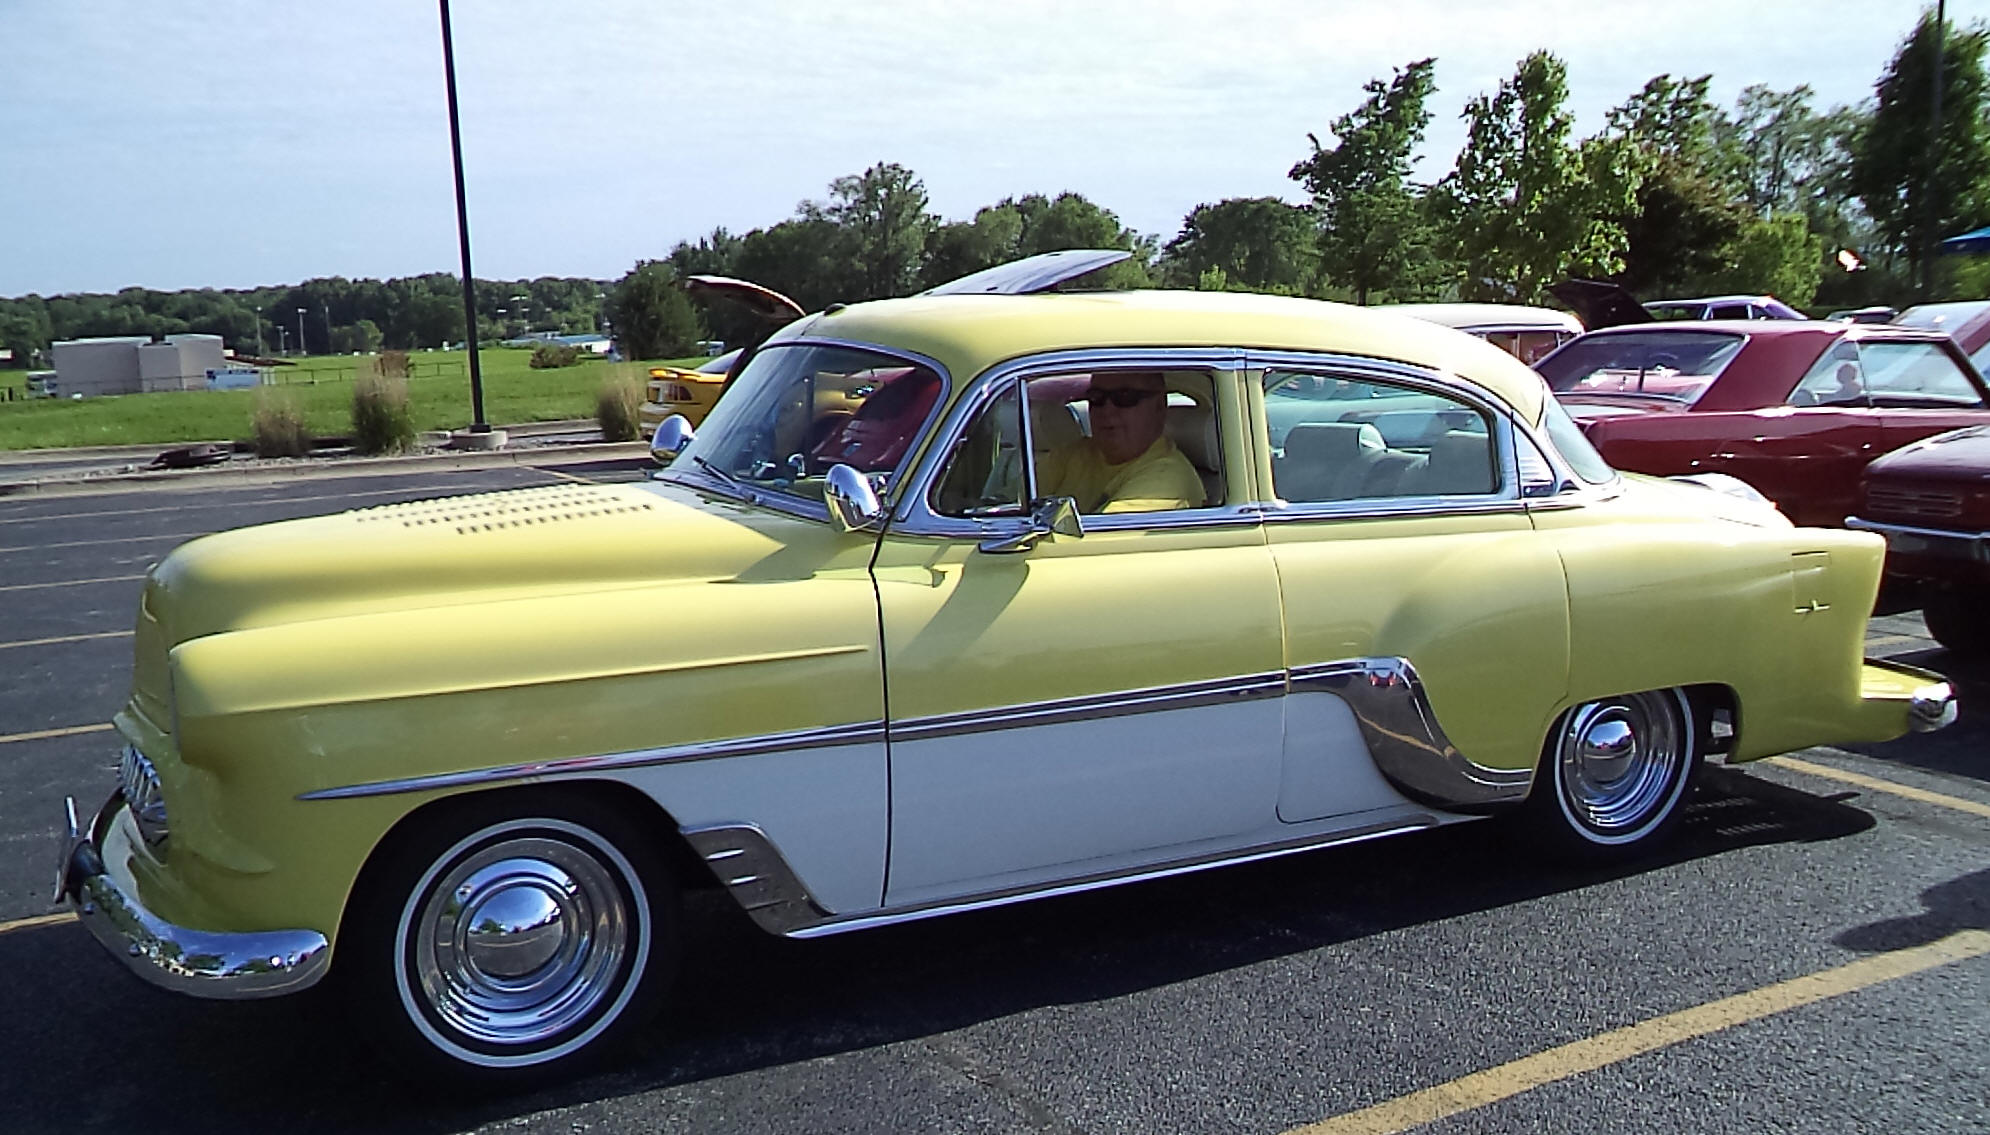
(458, 551)
(1959, 455)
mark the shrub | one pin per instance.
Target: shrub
(391, 364)
(617, 406)
(382, 421)
(547, 356)
(279, 425)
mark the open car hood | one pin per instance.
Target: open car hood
(766, 303)
(1031, 274)
(1600, 303)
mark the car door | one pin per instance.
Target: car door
(1062, 705)
(1413, 587)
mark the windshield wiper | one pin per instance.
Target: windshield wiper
(722, 475)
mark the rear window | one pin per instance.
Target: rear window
(1668, 364)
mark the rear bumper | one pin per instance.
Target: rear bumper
(203, 963)
(1907, 697)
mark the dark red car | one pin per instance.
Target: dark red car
(1796, 408)
(1931, 500)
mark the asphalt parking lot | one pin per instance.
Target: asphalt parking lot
(1811, 954)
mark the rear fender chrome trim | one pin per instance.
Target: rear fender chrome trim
(1404, 739)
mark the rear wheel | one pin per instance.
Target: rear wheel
(1615, 773)
(1955, 622)
(507, 942)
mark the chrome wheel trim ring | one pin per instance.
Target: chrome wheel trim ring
(1621, 763)
(500, 994)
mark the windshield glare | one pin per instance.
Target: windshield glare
(797, 411)
(1668, 364)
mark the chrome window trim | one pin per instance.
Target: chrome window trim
(913, 515)
(802, 506)
(852, 734)
(1505, 424)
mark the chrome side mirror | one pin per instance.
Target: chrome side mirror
(1049, 516)
(672, 435)
(853, 504)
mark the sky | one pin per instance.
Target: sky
(237, 143)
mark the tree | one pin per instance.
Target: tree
(1372, 231)
(1919, 185)
(1525, 206)
(653, 317)
(1015, 227)
(1254, 243)
(882, 213)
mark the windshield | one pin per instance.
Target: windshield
(1668, 364)
(797, 411)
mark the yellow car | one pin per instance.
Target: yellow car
(895, 660)
(682, 390)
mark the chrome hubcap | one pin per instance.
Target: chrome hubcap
(1620, 761)
(521, 940)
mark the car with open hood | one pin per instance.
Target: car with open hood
(900, 631)
(1526, 333)
(1795, 408)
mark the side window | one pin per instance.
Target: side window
(985, 475)
(1835, 379)
(1730, 311)
(1334, 439)
(1127, 440)
(1914, 374)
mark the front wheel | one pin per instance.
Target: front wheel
(508, 941)
(1615, 773)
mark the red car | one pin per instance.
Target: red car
(1931, 500)
(1796, 408)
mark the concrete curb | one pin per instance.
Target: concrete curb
(536, 457)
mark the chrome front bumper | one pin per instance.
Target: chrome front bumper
(1945, 543)
(203, 963)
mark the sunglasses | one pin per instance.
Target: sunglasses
(1123, 398)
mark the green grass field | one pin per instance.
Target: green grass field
(438, 385)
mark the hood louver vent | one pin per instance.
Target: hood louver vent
(494, 512)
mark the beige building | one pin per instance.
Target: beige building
(134, 364)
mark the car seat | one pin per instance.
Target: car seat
(1193, 430)
(1327, 460)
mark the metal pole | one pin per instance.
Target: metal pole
(260, 349)
(300, 332)
(477, 425)
(1932, 242)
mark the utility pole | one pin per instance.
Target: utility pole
(260, 349)
(300, 332)
(1933, 241)
(478, 424)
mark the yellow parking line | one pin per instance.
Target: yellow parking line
(1877, 785)
(44, 734)
(569, 476)
(65, 638)
(69, 582)
(38, 920)
(1469, 1093)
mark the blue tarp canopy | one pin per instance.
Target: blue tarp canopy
(1977, 240)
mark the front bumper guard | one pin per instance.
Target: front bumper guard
(1928, 697)
(203, 963)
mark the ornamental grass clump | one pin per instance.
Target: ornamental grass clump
(616, 408)
(382, 421)
(279, 425)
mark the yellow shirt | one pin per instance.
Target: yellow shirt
(1158, 479)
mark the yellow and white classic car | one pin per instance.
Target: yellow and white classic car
(1043, 602)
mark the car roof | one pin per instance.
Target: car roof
(967, 334)
(1712, 300)
(1490, 316)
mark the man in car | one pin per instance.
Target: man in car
(1127, 464)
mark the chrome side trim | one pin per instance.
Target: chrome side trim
(1112, 879)
(1404, 738)
(852, 734)
(1063, 711)
(757, 876)
(202, 963)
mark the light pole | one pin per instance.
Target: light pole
(524, 306)
(1933, 241)
(300, 332)
(259, 331)
(282, 340)
(463, 231)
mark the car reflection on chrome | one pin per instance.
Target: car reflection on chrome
(867, 650)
